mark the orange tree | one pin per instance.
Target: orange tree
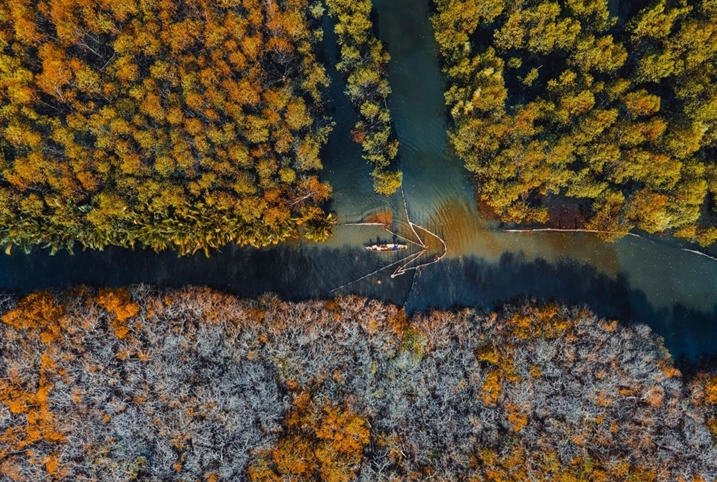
(174, 124)
(552, 100)
(321, 442)
(364, 60)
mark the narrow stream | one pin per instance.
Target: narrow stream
(632, 279)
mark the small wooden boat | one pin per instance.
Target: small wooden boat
(386, 247)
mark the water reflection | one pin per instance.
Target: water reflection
(632, 279)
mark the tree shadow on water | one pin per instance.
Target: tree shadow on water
(293, 272)
(299, 272)
(472, 281)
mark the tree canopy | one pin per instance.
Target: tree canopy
(552, 101)
(143, 384)
(364, 60)
(172, 124)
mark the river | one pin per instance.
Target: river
(631, 279)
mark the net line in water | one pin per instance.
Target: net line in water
(438, 259)
(414, 255)
(404, 262)
(408, 218)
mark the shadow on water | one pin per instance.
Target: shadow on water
(632, 279)
(293, 272)
(306, 272)
(472, 281)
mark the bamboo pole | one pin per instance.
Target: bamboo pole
(528, 230)
(402, 270)
(408, 218)
(421, 266)
(410, 291)
(445, 246)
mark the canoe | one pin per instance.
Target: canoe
(386, 247)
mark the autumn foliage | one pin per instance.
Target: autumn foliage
(172, 124)
(118, 303)
(203, 386)
(318, 443)
(364, 61)
(40, 322)
(555, 101)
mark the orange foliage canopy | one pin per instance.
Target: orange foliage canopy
(119, 303)
(321, 442)
(38, 316)
(164, 123)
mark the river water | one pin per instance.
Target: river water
(636, 279)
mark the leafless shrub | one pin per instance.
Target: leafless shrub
(200, 386)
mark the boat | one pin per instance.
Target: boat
(386, 247)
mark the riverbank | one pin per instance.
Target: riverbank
(630, 279)
(195, 384)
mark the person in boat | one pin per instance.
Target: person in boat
(386, 247)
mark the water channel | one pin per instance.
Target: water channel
(636, 279)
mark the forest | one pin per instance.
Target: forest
(364, 60)
(187, 125)
(568, 115)
(191, 384)
(180, 125)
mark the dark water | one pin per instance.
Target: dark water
(633, 279)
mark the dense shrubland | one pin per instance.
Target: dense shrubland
(363, 61)
(195, 385)
(554, 103)
(174, 124)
